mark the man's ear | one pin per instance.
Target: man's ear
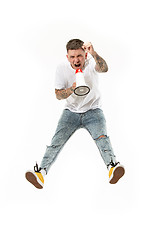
(86, 54)
(67, 56)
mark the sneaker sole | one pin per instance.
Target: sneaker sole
(117, 174)
(33, 179)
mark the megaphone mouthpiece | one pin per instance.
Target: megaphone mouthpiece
(79, 70)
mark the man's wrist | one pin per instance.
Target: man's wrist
(94, 54)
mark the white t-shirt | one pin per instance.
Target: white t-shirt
(65, 77)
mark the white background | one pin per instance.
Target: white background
(77, 201)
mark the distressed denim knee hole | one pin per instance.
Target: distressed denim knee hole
(100, 137)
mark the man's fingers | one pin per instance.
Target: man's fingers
(74, 85)
(87, 46)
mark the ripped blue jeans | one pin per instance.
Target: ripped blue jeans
(93, 121)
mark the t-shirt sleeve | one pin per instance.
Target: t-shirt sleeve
(59, 78)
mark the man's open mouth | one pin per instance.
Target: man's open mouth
(77, 65)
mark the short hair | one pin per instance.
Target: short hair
(74, 44)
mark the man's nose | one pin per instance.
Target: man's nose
(76, 59)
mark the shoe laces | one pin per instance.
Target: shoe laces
(112, 164)
(36, 168)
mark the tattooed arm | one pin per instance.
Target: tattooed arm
(101, 65)
(64, 93)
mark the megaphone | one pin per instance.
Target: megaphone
(81, 87)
